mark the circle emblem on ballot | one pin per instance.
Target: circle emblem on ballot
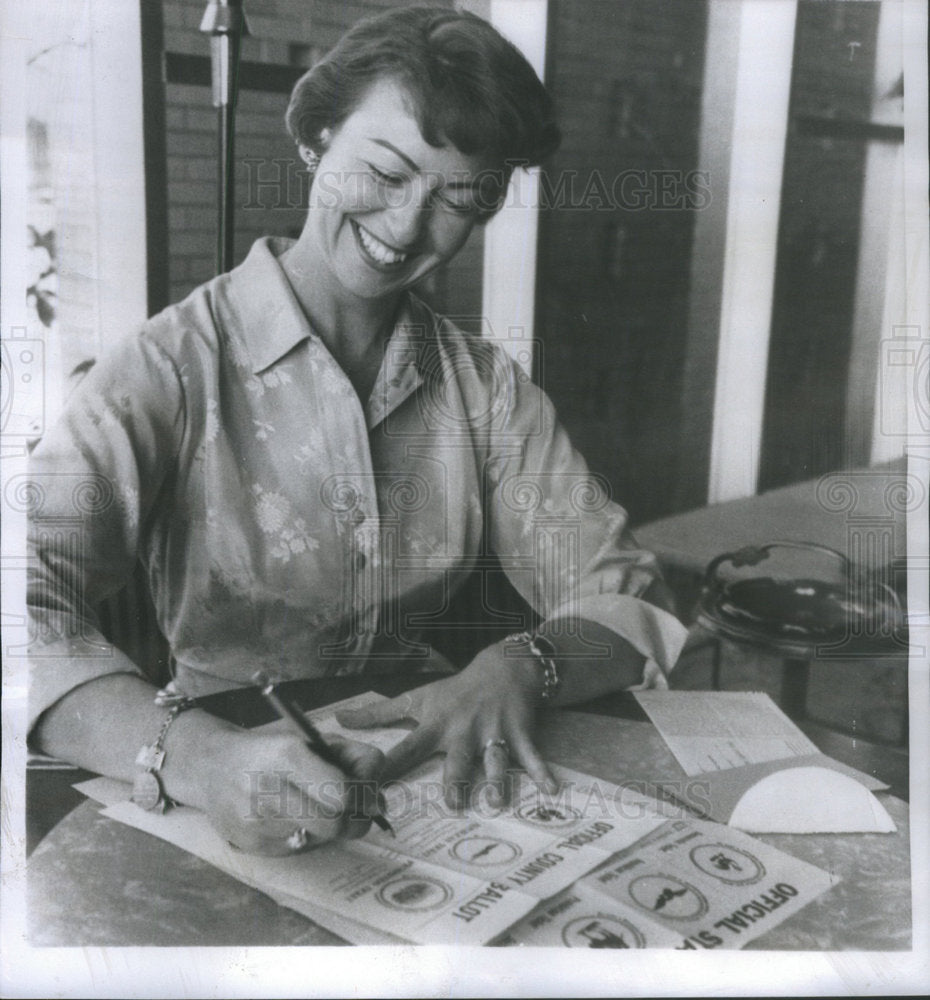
(485, 851)
(602, 931)
(729, 864)
(667, 896)
(415, 893)
(550, 816)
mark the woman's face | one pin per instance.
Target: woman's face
(386, 207)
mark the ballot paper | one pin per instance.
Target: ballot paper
(472, 877)
(448, 877)
(758, 771)
(690, 884)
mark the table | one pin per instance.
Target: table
(95, 882)
(834, 510)
(860, 513)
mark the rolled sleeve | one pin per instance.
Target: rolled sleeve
(91, 484)
(566, 545)
(653, 632)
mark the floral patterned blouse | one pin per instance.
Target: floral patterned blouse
(283, 524)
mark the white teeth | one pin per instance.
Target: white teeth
(381, 253)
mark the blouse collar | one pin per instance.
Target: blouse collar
(271, 323)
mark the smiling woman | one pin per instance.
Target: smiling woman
(386, 207)
(309, 462)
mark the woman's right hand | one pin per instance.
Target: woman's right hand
(259, 790)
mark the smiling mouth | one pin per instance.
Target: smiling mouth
(377, 251)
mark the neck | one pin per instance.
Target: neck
(351, 327)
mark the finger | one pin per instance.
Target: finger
(528, 757)
(420, 744)
(299, 840)
(255, 844)
(496, 760)
(456, 773)
(275, 840)
(359, 760)
(358, 818)
(380, 713)
(364, 764)
(439, 663)
(321, 809)
(312, 794)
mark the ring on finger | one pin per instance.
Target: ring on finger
(502, 743)
(298, 840)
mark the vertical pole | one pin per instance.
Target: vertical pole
(225, 22)
(757, 150)
(509, 281)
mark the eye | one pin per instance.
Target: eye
(394, 180)
(460, 203)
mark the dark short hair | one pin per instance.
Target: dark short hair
(469, 86)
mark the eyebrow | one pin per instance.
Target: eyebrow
(414, 166)
(396, 151)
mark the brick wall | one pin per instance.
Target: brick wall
(614, 254)
(270, 180)
(818, 242)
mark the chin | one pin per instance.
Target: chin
(377, 285)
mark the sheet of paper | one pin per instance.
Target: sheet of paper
(734, 745)
(538, 844)
(579, 917)
(811, 799)
(412, 900)
(690, 885)
(448, 877)
(754, 769)
(715, 730)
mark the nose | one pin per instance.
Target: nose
(407, 217)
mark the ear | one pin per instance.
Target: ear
(309, 154)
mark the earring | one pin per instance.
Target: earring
(311, 157)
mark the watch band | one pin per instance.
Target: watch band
(147, 790)
(544, 653)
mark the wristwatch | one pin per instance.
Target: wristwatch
(543, 652)
(147, 790)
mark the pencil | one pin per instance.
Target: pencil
(314, 738)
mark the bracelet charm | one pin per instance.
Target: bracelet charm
(147, 790)
(544, 653)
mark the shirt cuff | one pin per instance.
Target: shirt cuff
(657, 634)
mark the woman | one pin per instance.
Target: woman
(304, 457)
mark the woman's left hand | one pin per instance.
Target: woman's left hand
(482, 718)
